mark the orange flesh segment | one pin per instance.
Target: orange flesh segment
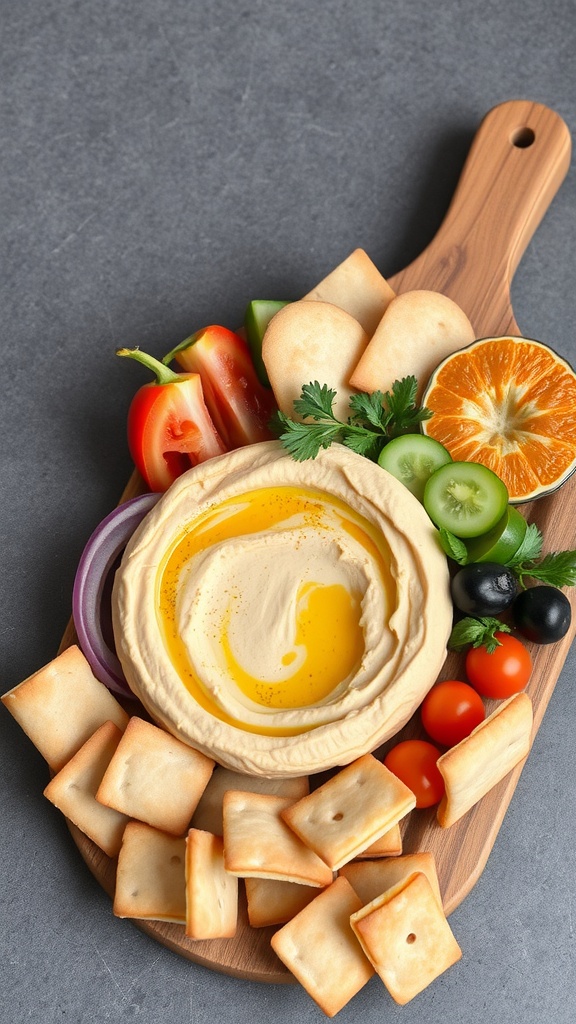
(511, 405)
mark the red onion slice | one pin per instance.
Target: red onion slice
(103, 549)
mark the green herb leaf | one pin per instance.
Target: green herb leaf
(367, 444)
(304, 440)
(374, 420)
(477, 632)
(400, 402)
(402, 396)
(368, 408)
(557, 569)
(530, 548)
(316, 401)
(453, 546)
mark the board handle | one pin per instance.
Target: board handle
(518, 159)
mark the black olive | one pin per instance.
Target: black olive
(542, 614)
(483, 588)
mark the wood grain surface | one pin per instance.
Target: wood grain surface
(518, 159)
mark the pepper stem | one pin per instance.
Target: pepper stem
(187, 343)
(163, 373)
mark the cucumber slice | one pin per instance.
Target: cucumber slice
(412, 458)
(501, 542)
(466, 498)
(256, 319)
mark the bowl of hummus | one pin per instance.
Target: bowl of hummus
(283, 617)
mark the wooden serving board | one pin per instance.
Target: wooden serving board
(518, 159)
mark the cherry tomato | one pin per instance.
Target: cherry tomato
(502, 673)
(450, 711)
(414, 763)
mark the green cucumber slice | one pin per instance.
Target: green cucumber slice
(466, 498)
(258, 315)
(501, 542)
(412, 458)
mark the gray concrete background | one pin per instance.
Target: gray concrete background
(163, 162)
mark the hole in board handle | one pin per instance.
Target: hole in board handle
(523, 137)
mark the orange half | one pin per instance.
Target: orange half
(509, 403)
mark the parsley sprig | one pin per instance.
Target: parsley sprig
(477, 632)
(374, 420)
(557, 568)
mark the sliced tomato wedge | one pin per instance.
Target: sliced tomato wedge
(170, 429)
(240, 406)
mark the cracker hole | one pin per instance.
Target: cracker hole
(522, 138)
(411, 938)
(175, 859)
(338, 816)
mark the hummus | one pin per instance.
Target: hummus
(283, 617)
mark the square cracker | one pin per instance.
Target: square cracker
(407, 938)
(372, 878)
(484, 758)
(61, 706)
(389, 845)
(208, 814)
(320, 949)
(211, 892)
(73, 790)
(258, 843)
(151, 878)
(348, 813)
(155, 778)
(271, 901)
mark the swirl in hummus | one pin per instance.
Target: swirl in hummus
(283, 617)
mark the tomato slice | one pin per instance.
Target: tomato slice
(239, 404)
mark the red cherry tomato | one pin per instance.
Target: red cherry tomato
(450, 711)
(502, 673)
(414, 763)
